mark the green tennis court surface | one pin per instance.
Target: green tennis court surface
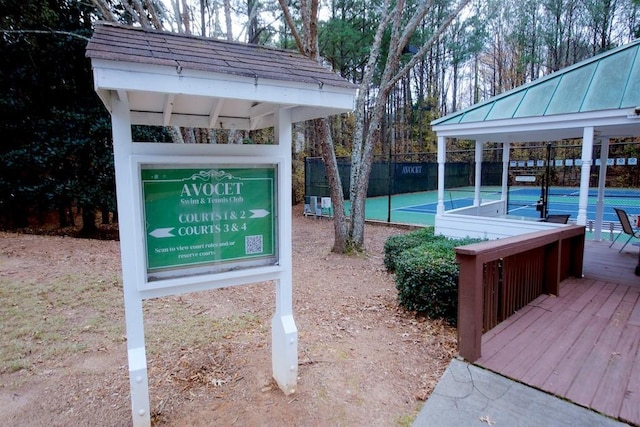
(420, 208)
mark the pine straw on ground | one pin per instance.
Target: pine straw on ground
(363, 360)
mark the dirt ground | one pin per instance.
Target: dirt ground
(363, 361)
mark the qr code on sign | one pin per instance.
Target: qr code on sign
(253, 244)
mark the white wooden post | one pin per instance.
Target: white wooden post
(478, 169)
(284, 334)
(602, 177)
(506, 152)
(122, 149)
(587, 148)
(442, 156)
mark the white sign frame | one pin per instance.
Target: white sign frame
(128, 156)
(190, 282)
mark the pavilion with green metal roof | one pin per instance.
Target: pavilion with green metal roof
(595, 100)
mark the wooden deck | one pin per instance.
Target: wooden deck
(583, 345)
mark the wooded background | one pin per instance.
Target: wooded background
(56, 138)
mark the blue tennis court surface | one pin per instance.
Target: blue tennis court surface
(609, 193)
(522, 201)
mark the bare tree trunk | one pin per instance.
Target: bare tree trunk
(252, 25)
(203, 31)
(186, 17)
(364, 137)
(361, 157)
(178, 14)
(227, 19)
(292, 27)
(360, 180)
(309, 47)
(232, 137)
(142, 15)
(155, 20)
(176, 135)
(104, 10)
(188, 135)
(323, 132)
(364, 141)
(89, 227)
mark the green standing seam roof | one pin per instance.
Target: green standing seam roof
(610, 80)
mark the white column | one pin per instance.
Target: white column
(506, 152)
(478, 169)
(284, 334)
(122, 149)
(442, 156)
(587, 149)
(602, 176)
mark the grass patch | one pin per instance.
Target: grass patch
(49, 319)
(45, 321)
(175, 325)
(405, 421)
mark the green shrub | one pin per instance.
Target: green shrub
(395, 245)
(427, 278)
(427, 282)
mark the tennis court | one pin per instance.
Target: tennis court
(565, 201)
(420, 208)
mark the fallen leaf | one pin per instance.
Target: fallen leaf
(486, 419)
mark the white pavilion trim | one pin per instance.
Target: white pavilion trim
(594, 101)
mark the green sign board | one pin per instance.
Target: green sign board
(208, 215)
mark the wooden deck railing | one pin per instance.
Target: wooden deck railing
(499, 277)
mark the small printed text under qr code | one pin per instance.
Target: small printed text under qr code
(253, 244)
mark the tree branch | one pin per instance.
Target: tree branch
(227, 19)
(50, 32)
(393, 56)
(360, 143)
(410, 28)
(427, 45)
(105, 10)
(313, 31)
(134, 15)
(155, 20)
(367, 78)
(292, 26)
(144, 22)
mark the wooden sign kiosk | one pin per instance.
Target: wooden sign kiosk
(203, 216)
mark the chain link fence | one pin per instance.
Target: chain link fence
(559, 164)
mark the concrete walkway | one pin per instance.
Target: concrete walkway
(468, 395)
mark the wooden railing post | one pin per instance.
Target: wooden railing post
(470, 306)
(562, 255)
